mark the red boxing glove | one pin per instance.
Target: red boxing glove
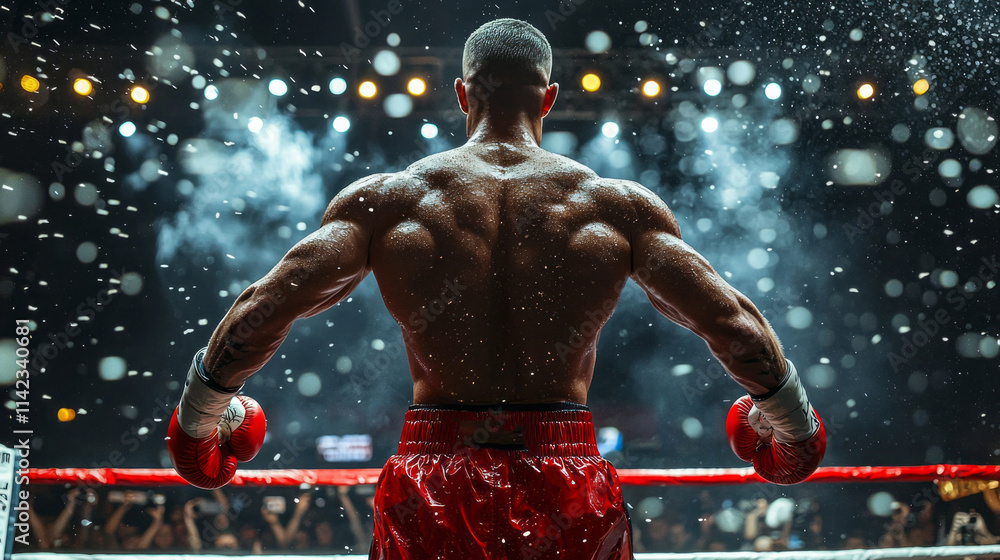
(780, 434)
(197, 439)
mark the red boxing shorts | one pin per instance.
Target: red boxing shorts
(512, 482)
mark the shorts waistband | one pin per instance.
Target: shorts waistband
(547, 430)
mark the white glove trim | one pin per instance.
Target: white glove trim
(201, 406)
(787, 410)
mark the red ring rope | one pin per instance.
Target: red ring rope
(638, 477)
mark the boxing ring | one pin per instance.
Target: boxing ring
(946, 476)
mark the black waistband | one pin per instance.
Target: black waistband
(505, 407)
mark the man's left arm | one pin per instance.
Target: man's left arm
(314, 275)
(213, 427)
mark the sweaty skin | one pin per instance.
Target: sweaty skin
(501, 262)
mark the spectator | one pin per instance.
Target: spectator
(283, 536)
(968, 528)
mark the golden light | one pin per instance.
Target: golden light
(921, 86)
(866, 91)
(651, 88)
(29, 83)
(66, 414)
(83, 86)
(367, 89)
(590, 82)
(416, 86)
(139, 94)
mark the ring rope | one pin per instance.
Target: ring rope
(635, 477)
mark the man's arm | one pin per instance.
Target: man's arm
(684, 287)
(314, 275)
(775, 427)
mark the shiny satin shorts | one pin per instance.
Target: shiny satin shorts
(517, 482)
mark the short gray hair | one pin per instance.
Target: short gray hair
(509, 47)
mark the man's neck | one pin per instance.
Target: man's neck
(519, 130)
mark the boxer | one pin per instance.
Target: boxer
(500, 262)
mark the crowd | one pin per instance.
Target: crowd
(339, 520)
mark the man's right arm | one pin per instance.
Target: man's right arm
(684, 287)
(775, 427)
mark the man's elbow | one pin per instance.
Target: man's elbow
(745, 345)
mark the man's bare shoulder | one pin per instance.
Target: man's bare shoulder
(384, 191)
(641, 207)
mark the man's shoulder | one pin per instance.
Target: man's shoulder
(643, 207)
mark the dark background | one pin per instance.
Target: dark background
(155, 214)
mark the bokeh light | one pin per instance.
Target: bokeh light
(83, 86)
(338, 86)
(590, 82)
(712, 87)
(367, 89)
(139, 94)
(416, 86)
(341, 123)
(66, 414)
(429, 130)
(29, 83)
(651, 88)
(866, 91)
(921, 86)
(772, 91)
(609, 129)
(277, 87)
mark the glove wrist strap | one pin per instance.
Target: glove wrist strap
(788, 410)
(203, 401)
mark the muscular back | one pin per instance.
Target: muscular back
(500, 264)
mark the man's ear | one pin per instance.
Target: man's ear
(550, 98)
(460, 91)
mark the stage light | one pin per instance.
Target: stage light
(139, 94)
(609, 129)
(211, 92)
(386, 63)
(83, 86)
(710, 124)
(866, 91)
(341, 124)
(428, 130)
(338, 86)
(712, 87)
(416, 86)
(651, 88)
(921, 86)
(66, 414)
(367, 89)
(398, 105)
(590, 82)
(29, 83)
(772, 91)
(277, 87)
(126, 129)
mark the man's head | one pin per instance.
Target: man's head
(513, 51)
(505, 72)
